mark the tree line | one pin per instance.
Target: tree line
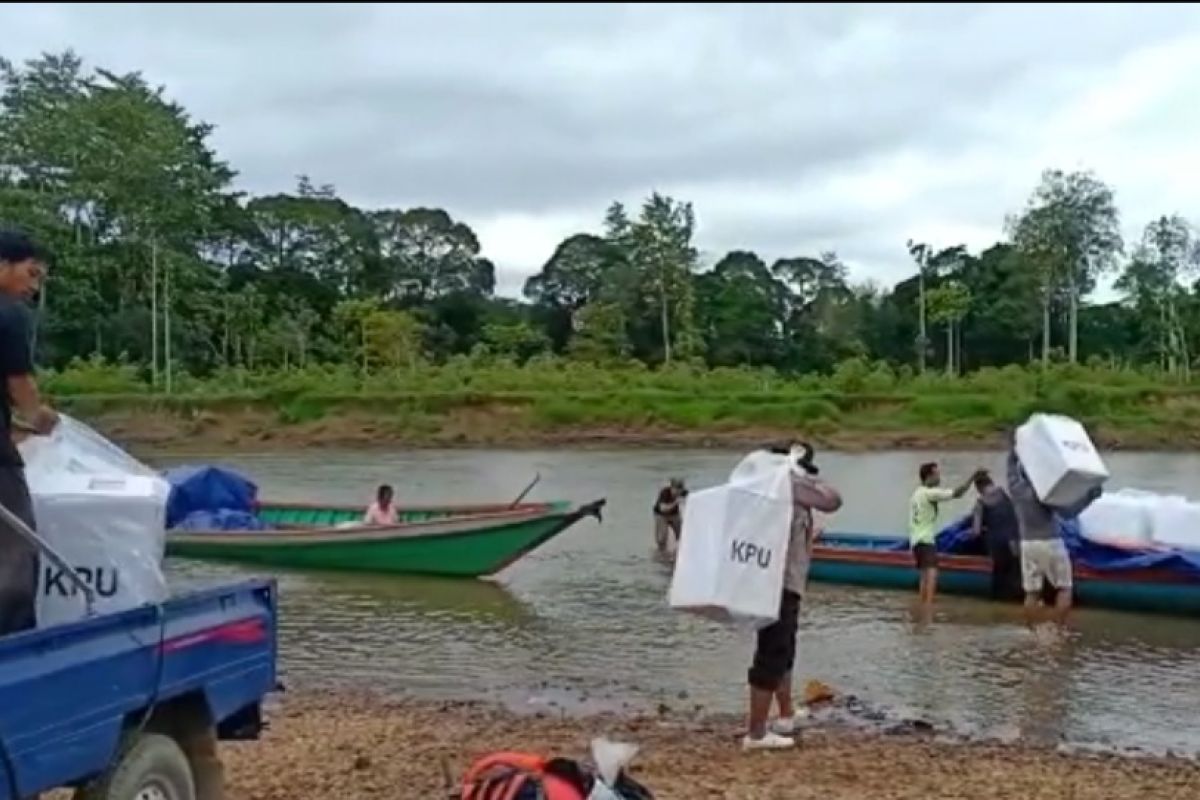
(161, 263)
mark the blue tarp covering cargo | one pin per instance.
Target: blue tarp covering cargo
(208, 489)
(222, 520)
(956, 538)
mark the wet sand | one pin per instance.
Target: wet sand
(344, 747)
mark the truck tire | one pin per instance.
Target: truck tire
(153, 767)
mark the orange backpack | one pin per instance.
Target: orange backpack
(521, 776)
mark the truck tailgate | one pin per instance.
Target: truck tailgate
(68, 692)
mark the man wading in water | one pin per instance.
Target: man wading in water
(668, 516)
(770, 674)
(995, 521)
(922, 525)
(22, 266)
(1044, 554)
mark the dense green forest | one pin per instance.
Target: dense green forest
(166, 279)
(160, 261)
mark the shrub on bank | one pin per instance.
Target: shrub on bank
(553, 392)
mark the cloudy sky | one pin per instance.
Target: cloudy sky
(792, 129)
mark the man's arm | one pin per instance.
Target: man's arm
(1019, 487)
(17, 363)
(816, 494)
(23, 392)
(966, 485)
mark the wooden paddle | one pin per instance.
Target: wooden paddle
(537, 477)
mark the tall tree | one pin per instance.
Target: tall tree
(427, 254)
(576, 273)
(921, 254)
(1153, 282)
(600, 333)
(741, 308)
(948, 304)
(661, 251)
(1070, 234)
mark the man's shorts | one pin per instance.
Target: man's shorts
(1047, 559)
(925, 555)
(775, 649)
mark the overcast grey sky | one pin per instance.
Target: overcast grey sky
(793, 129)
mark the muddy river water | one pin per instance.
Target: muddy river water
(583, 622)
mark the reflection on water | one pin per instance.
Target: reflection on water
(587, 612)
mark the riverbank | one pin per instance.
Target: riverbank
(348, 747)
(200, 429)
(552, 402)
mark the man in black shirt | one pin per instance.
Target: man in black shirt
(996, 521)
(22, 267)
(668, 516)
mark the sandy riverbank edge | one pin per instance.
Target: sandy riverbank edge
(344, 747)
(206, 433)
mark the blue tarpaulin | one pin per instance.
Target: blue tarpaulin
(208, 489)
(222, 520)
(956, 538)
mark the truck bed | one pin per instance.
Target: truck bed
(68, 694)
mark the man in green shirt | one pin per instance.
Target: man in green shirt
(922, 524)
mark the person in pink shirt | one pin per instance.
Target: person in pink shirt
(382, 511)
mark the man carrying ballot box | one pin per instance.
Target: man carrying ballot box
(770, 674)
(1044, 555)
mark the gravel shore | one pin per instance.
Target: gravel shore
(347, 747)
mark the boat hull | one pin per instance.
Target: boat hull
(471, 544)
(865, 561)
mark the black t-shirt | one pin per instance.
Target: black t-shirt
(15, 359)
(665, 498)
(999, 518)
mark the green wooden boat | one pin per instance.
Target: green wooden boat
(456, 541)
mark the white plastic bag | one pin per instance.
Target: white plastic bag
(1175, 523)
(611, 758)
(1059, 458)
(75, 447)
(104, 513)
(1121, 519)
(733, 549)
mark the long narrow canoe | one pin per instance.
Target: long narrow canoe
(867, 561)
(457, 541)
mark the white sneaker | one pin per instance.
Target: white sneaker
(786, 726)
(769, 741)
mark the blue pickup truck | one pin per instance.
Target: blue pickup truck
(130, 705)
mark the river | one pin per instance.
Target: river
(583, 622)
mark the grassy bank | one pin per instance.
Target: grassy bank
(861, 406)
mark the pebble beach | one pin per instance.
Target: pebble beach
(344, 747)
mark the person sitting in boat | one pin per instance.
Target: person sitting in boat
(382, 511)
(668, 513)
(923, 509)
(995, 521)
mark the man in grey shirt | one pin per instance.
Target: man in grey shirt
(1043, 552)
